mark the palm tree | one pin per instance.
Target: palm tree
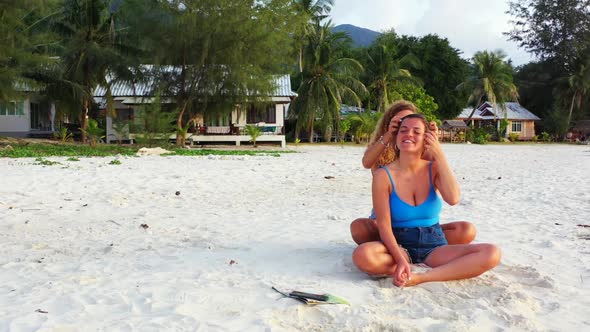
(384, 68)
(578, 85)
(363, 124)
(312, 12)
(22, 46)
(327, 80)
(91, 49)
(491, 80)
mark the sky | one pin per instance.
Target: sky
(469, 25)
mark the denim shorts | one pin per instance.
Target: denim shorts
(419, 241)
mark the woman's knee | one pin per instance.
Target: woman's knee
(461, 232)
(356, 230)
(492, 256)
(469, 231)
(361, 231)
(362, 257)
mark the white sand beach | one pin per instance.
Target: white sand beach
(74, 257)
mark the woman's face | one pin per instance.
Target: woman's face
(410, 136)
(394, 123)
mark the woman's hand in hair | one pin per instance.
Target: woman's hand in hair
(432, 147)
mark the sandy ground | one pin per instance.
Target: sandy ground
(74, 257)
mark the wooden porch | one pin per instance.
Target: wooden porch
(237, 139)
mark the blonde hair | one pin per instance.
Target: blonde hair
(388, 155)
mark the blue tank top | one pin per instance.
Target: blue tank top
(406, 215)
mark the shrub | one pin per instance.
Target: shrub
(479, 136)
(93, 132)
(546, 137)
(513, 137)
(63, 135)
(254, 133)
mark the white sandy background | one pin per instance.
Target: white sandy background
(73, 256)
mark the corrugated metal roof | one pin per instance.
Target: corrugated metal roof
(124, 89)
(514, 111)
(454, 124)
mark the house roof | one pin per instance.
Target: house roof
(456, 124)
(486, 111)
(282, 85)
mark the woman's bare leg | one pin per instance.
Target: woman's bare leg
(459, 232)
(374, 258)
(364, 230)
(455, 262)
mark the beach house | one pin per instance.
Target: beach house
(208, 128)
(520, 120)
(31, 116)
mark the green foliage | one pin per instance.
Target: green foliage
(491, 80)
(328, 81)
(91, 44)
(115, 162)
(503, 125)
(513, 137)
(153, 126)
(221, 50)
(254, 132)
(546, 137)
(535, 138)
(297, 141)
(556, 122)
(576, 92)
(551, 29)
(363, 124)
(93, 132)
(205, 152)
(23, 47)
(418, 96)
(68, 150)
(385, 67)
(479, 135)
(441, 69)
(536, 83)
(345, 126)
(45, 162)
(77, 150)
(63, 135)
(121, 128)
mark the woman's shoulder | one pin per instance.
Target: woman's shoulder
(382, 170)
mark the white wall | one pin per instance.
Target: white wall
(17, 123)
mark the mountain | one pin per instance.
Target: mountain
(361, 37)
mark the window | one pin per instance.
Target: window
(516, 126)
(269, 115)
(12, 108)
(215, 120)
(35, 116)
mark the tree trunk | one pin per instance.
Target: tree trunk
(84, 120)
(301, 59)
(311, 130)
(297, 129)
(569, 116)
(180, 137)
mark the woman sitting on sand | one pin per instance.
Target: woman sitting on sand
(408, 207)
(380, 152)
